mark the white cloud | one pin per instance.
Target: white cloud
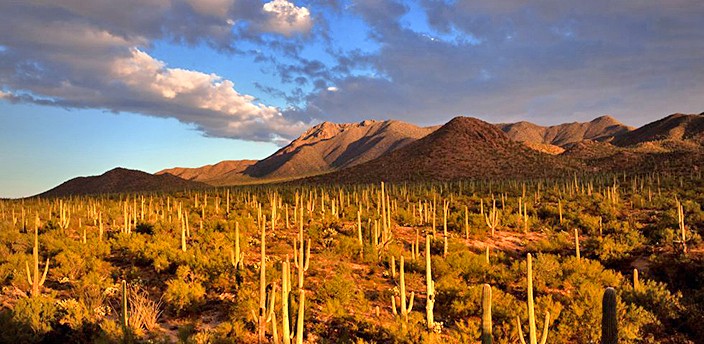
(76, 60)
(333, 89)
(286, 18)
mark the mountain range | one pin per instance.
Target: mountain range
(371, 151)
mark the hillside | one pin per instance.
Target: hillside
(462, 148)
(217, 174)
(676, 127)
(330, 146)
(603, 128)
(120, 180)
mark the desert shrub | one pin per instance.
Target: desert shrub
(36, 313)
(185, 291)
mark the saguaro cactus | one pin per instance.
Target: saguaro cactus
(34, 280)
(576, 243)
(533, 333)
(636, 282)
(487, 337)
(405, 310)
(124, 312)
(492, 218)
(430, 286)
(301, 307)
(236, 256)
(609, 320)
(683, 229)
(262, 284)
(359, 234)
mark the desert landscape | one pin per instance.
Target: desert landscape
(369, 232)
(352, 171)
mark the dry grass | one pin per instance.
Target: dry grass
(143, 311)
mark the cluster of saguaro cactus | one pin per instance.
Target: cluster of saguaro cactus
(532, 330)
(34, 279)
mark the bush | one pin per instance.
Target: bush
(185, 292)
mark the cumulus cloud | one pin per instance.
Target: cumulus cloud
(72, 54)
(286, 18)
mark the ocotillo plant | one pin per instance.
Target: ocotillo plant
(609, 320)
(34, 280)
(487, 337)
(533, 333)
(430, 287)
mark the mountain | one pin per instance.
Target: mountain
(603, 128)
(463, 148)
(330, 146)
(120, 180)
(323, 148)
(223, 173)
(674, 129)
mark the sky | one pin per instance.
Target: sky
(86, 86)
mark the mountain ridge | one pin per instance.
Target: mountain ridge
(119, 180)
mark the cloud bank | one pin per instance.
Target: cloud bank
(79, 54)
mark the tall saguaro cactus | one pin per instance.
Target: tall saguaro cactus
(492, 218)
(125, 314)
(237, 256)
(609, 320)
(533, 333)
(405, 306)
(487, 337)
(430, 286)
(683, 229)
(34, 280)
(262, 284)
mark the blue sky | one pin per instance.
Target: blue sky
(161, 83)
